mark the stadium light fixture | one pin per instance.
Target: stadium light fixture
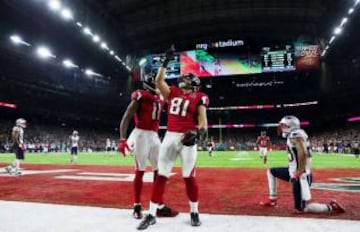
(142, 62)
(87, 31)
(128, 68)
(69, 64)
(96, 38)
(44, 52)
(54, 5)
(79, 24)
(332, 39)
(16, 39)
(351, 10)
(104, 46)
(337, 31)
(111, 52)
(90, 72)
(343, 21)
(356, 2)
(66, 14)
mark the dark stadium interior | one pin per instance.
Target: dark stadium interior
(47, 93)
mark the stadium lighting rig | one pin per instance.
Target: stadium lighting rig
(90, 72)
(16, 39)
(339, 29)
(65, 13)
(44, 52)
(69, 64)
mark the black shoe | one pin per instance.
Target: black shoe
(195, 220)
(137, 212)
(166, 212)
(146, 222)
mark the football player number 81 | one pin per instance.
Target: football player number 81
(179, 106)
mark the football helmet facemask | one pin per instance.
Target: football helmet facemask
(189, 81)
(149, 82)
(21, 122)
(263, 133)
(287, 124)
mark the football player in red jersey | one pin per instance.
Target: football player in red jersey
(145, 106)
(187, 121)
(263, 142)
(211, 147)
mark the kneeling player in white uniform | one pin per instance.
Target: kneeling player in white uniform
(299, 171)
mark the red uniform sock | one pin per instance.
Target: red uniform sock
(158, 189)
(192, 188)
(138, 183)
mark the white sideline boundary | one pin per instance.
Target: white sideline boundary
(40, 217)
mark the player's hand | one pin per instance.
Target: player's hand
(123, 146)
(22, 147)
(202, 134)
(189, 138)
(169, 55)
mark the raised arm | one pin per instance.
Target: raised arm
(161, 83)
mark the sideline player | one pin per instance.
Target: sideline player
(17, 135)
(299, 171)
(211, 147)
(108, 145)
(263, 142)
(74, 139)
(186, 111)
(145, 106)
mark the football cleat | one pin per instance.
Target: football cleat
(195, 220)
(146, 222)
(268, 203)
(166, 212)
(137, 212)
(336, 207)
(8, 169)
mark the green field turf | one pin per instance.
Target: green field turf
(241, 159)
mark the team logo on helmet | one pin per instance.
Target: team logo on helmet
(21, 122)
(149, 82)
(287, 124)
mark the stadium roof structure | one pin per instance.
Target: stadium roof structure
(103, 37)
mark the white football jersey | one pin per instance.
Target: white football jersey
(19, 132)
(292, 151)
(75, 140)
(108, 143)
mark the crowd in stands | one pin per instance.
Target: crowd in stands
(40, 138)
(56, 138)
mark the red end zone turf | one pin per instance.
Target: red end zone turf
(222, 190)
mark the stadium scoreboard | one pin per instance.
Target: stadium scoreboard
(278, 60)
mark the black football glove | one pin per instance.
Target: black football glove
(191, 137)
(169, 55)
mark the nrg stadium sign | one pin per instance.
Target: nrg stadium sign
(220, 44)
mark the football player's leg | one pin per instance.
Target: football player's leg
(188, 159)
(167, 157)
(141, 150)
(264, 155)
(272, 174)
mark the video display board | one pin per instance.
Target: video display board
(206, 64)
(173, 68)
(278, 60)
